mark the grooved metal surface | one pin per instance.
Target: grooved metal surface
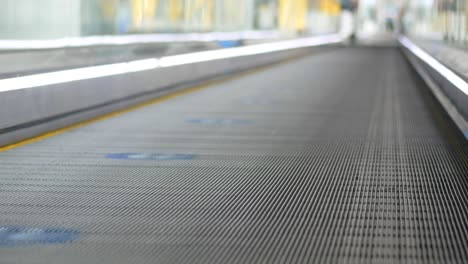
(340, 157)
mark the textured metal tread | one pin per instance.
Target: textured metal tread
(341, 157)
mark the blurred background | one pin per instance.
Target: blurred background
(442, 20)
(25, 19)
(341, 154)
(77, 33)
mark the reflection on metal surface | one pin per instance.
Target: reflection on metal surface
(436, 65)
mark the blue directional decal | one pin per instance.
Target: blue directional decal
(11, 236)
(466, 134)
(219, 121)
(150, 156)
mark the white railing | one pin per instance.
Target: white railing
(65, 76)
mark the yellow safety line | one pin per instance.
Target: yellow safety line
(135, 107)
(103, 117)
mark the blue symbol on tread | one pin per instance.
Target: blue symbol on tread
(150, 156)
(25, 236)
(219, 121)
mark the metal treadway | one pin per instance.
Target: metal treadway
(339, 157)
